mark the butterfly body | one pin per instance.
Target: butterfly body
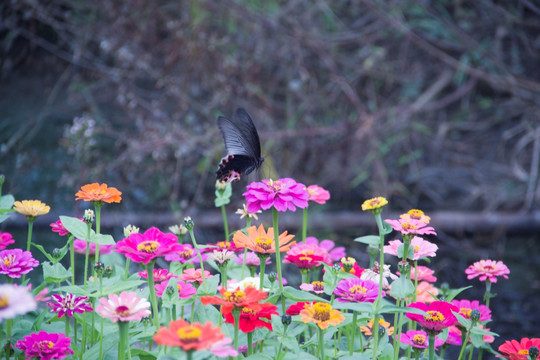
(243, 147)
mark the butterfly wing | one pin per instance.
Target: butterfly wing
(242, 144)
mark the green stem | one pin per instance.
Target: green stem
(432, 346)
(74, 331)
(223, 269)
(353, 333)
(87, 255)
(66, 331)
(320, 332)
(471, 350)
(261, 273)
(225, 224)
(244, 263)
(123, 327)
(101, 320)
(72, 258)
(28, 241)
(196, 246)
(236, 316)
(153, 298)
(464, 337)
(304, 224)
(98, 222)
(83, 339)
(397, 326)
(173, 312)
(377, 304)
(126, 272)
(249, 342)
(275, 222)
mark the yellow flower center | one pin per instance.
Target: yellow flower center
(523, 352)
(186, 254)
(419, 339)
(223, 245)
(416, 248)
(357, 289)
(46, 344)
(149, 246)
(415, 214)
(8, 260)
(318, 285)
(408, 226)
(433, 315)
(322, 311)
(122, 310)
(179, 287)
(247, 310)
(488, 268)
(465, 312)
(264, 242)
(4, 301)
(234, 296)
(189, 333)
(276, 185)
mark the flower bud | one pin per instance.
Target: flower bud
(272, 277)
(382, 331)
(404, 267)
(108, 272)
(533, 352)
(146, 320)
(475, 315)
(130, 229)
(347, 263)
(189, 223)
(2, 179)
(373, 251)
(99, 268)
(336, 268)
(220, 185)
(286, 319)
(178, 230)
(57, 254)
(88, 216)
(169, 291)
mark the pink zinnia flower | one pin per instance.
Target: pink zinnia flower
(223, 348)
(126, 307)
(336, 253)
(160, 275)
(185, 254)
(318, 194)
(411, 226)
(357, 290)
(45, 346)
(454, 336)
(192, 275)
(79, 246)
(424, 274)
(223, 245)
(69, 304)
(185, 289)
(487, 270)
(425, 292)
(307, 256)
(16, 262)
(439, 315)
(316, 286)
(466, 306)
(41, 295)
(419, 339)
(422, 248)
(59, 228)
(283, 194)
(15, 300)
(143, 248)
(5, 240)
(251, 259)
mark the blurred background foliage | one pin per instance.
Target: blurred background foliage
(433, 104)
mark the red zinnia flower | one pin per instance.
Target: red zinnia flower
(515, 350)
(251, 315)
(235, 299)
(295, 309)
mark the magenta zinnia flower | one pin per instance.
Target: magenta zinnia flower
(439, 315)
(185, 289)
(126, 307)
(336, 253)
(15, 300)
(143, 248)
(283, 194)
(79, 246)
(487, 270)
(16, 262)
(69, 304)
(356, 290)
(185, 253)
(412, 226)
(422, 248)
(160, 275)
(466, 306)
(307, 256)
(45, 346)
(419, 339)
(251, 259)
(318, 194)
(5, 240)
(59, 228)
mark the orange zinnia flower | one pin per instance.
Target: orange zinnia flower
(31, 208)
(367, 329)
(235, 299)
(188, 336)
(262, 242)
(98, 193)
(321, 314)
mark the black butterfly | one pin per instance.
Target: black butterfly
(243, 147)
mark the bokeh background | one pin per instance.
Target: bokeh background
(432, 104)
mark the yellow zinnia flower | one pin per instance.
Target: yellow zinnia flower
(374, 203)
(31, 208)
(321, 314)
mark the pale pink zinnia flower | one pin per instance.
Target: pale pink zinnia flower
(426, 292)
(69, 304)
(316, 286)
(15, 300)
(45, 346)
(147, 246)
(283, 194)
(5, 240)
(466, 306)
(424, 274)
(126, 307)
(16, 262)
(192, 275)
(185, 289)
(318, 194)
(160, 275)
(79, 246)
(336, 253)
(487, 270)
(422, 248)
(412, 226)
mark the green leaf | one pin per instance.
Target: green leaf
(297, 295)
(369, 239)
(402, 287)
(47, 255)
(259, 356)
(358, 307)
(75, 290)
(76, 227)
(452, 293)
(6, 204)
(119, 287)
(209, 287)
(290, 342)
(54, 273)
(410, 252)
(206, 313)
(102, 239)
(142, 354)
